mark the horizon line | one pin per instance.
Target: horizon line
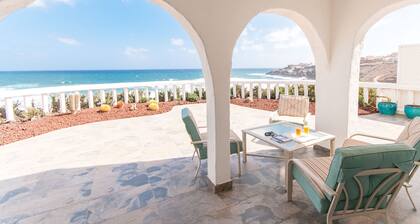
(141, 69)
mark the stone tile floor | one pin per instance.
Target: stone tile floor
(53, 179)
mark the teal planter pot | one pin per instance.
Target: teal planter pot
(387, 108)
(412, 111)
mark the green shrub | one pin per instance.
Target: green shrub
(192, 97)
(33, 113)
(55, 104)
(143, 99)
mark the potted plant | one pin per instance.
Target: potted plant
(412, 111)
(387, 107)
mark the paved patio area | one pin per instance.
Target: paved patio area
(139, 170)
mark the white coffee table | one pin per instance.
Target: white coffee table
(286, 129)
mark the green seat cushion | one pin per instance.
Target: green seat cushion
(351, 160)
(320, 202)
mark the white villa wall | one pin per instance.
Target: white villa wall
(408, 75)
(408, 65)
(334, 29)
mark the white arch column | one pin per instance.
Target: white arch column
(218, 120)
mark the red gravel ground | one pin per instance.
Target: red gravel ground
(15, 131)
(264, 104)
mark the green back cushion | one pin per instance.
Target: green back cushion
(417, 148)
(190, 124)
(350, 160)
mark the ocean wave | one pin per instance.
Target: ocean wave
(257, 74)
(276, 76)
(19, 86)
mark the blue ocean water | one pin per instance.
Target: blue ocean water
(33, 79)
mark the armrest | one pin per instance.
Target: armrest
(372, 136)
(315, 178)
(199, 142)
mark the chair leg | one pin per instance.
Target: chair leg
(289, 184)
(409, 197)
(239, 159)
(198, 167)
(193, 155)
(387, 219)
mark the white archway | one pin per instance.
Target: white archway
(317, 46)
(367, 25)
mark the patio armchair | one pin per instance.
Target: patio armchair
(409, 136)
(358, 180)
(291, 108)
(199, 140)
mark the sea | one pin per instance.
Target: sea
(11, 80)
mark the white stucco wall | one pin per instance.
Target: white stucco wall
(334, 29)
(408, 65)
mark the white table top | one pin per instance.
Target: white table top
(287, 129)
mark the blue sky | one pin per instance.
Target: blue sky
(137, 34)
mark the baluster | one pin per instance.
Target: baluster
(166, 94)
(136, 96)
(268, 91)
(234, 90)
(251, 91)
(26, 103)
(259, 91)
(174, 90)
(243, 90)
(286, 89)
(90, 99)
(157, 94)
(46, 103)
(103, 96)
(78, 98)
(126, 95)
(366, 95)
(63, 105)
(146, 94)
(305, 90)
(410, 97)
(184, 92)
(277, 91)
(200, 91)
(114, 97)
(296, 88)
(10, 112)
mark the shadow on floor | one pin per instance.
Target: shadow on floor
(162, 192)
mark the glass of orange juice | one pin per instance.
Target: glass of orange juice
(306, 129)
(298, 132)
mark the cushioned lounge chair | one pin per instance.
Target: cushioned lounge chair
(291, 108)
(358, 180)
(409, 136)
(199, 140)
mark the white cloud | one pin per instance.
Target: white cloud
(289, 37)
(38, 4)
(68, 41)
(247, 44)
(45, 3)
(178, 42)
(132, 51)
(67, 2)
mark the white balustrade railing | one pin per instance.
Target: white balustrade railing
(147, 90)
(401, 94)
